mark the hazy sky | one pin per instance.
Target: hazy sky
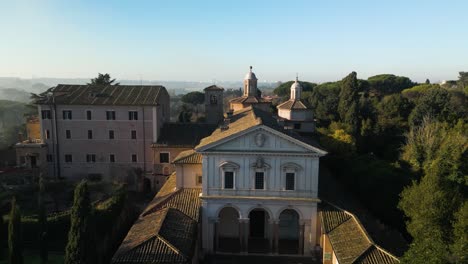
(205, 40)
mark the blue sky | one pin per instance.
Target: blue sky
(207, 40)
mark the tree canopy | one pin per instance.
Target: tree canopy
(284, 90)
(384, 84)
(193, 98)
(79, 249)
(103, 79)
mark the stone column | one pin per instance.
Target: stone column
(275, 236)
(244, 226)
(301, 239)
(271, 228)
(216, 234)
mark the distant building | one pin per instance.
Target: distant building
(250, 95)
(101, 131)
(294, 114)
(31, 152)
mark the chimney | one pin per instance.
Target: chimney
(20, 137)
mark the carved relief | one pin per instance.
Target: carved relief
(260, 139)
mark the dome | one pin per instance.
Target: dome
(296, 85)
(250, 75)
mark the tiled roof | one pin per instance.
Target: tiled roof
(166, 230)
(184, 134)
(248, 100)
(250, 117)
(188, 157)
(66, 94)
(375, 255)
(292, 104)
(349, 240)
(213, 88)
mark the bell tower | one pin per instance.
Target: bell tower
(250, 84)
(214, 110)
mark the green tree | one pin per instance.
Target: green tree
(431, 203)
(460, 246)
(42, 219)
(324, 100)
(284, 90)
(103, 79)
(385, 84)
(185, 114)
(79, 249)
(15, 243)
(463, 80)
(194, 98)
(348, 103)
(435, 103)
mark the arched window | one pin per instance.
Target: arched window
(213, 99)
(228, 172)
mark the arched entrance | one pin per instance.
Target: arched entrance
(259, 231)
(289, 232)
(228, 230)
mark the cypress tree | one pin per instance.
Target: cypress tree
(15, 247)
(78, 250)
(42, 218)
(348, 103)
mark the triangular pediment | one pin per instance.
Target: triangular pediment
(262, 139)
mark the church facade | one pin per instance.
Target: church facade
(260, 188)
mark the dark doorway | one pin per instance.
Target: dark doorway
(33, 161)
(257, 223)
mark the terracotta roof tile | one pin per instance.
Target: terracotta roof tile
(292, 104)
(188, 157)
(349, 240)
(250, 117)
(167, 229)
(249, 100)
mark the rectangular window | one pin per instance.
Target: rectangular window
(88, 115)
(46, 114)
(164, 157)
(68, 134)
(111, 134)
(90, 134)
(68, 158)
(132, 115)
(133, 134)
(259, 181)
(90, 158)
(290, 178)
(134, 158)
(49, 158)
(228, 180)
(297, 126)
(67, 114)
(112, 158)
(198, 179)
(110, 115)
(47, 134)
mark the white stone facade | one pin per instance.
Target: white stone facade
(268, 212)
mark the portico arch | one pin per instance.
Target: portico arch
(227, 230)
(291, 234)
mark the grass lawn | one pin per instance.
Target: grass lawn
(31, 257)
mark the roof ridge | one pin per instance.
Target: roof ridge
(159, 206)
(165, 241)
